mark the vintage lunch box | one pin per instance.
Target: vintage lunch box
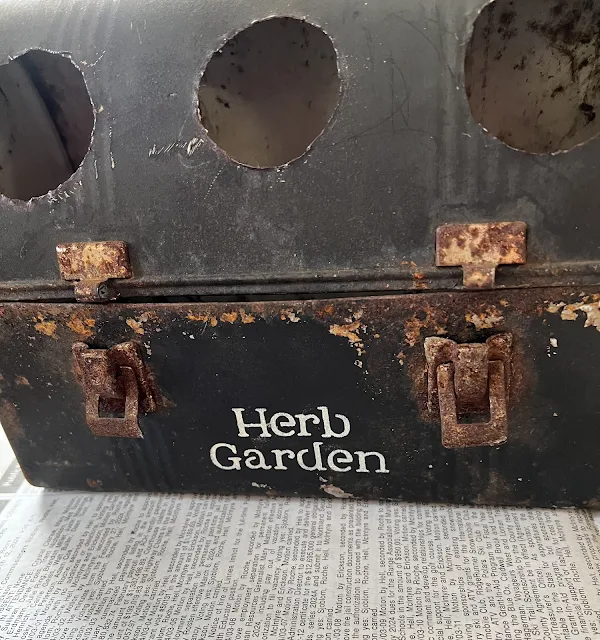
(344, 248)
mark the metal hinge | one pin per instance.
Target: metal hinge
(480, 248)
(114, 381)
(469, 379)
(92, 265)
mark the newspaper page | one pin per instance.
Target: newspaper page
(77, 566)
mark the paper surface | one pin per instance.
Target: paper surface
(119, 566)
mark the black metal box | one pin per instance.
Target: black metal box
(338, 248)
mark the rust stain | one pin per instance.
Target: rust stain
(94, 484)
(22, 381)
(497, 243)
(91, 265)
(136, 326)
(82, 326)
(419, 280)
(247, 318)
(45, 327)
(430, 319)
(93, 260)
(326, 311)
(488, 319)
(480, 248)
(212, 320)
(229, 317)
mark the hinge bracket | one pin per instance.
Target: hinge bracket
(480, 248)
(91, 265)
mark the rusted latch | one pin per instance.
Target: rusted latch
(91, 265)
(115, 381)
(480, 248)
(469, 379)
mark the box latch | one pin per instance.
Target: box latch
(92, 265)
(480, 248)
(116, 383)
(466, 380)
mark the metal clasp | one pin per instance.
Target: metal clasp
(91, 265)
(465, 379)
(114, 380)
(479, 249)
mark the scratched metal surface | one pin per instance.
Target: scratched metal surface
(401, 155)
(362, 358)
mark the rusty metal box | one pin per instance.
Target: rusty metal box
(345, 249)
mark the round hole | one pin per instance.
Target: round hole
(269, 92)
(46, 122)
(532, 72)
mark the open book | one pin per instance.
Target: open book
(118, 566)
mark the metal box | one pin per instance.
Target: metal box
(320, 249)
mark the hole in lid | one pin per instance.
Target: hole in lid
(269, 92)
(46, 123)
(532, 72)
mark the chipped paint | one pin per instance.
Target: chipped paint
(136, 326)
(555, 307)
(334, 491)
(400, 357)
(553, 342)
(229, 317)
(590, 307)
(488, 319)
(82, 326)
(289, 314)
(348, 331)
(211, 320)
(22, 381)
(246, 318)
(45, 327)
(258, 485)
